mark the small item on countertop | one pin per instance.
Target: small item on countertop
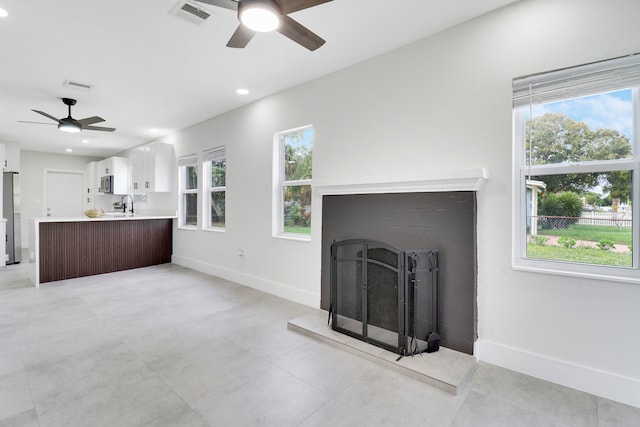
(94, 213)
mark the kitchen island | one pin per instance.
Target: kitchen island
(65, 248)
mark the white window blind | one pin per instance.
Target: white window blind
(218, 153)
(190, 160)
(583, 80)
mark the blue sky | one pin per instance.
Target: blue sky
(304, 142)
(611, 110)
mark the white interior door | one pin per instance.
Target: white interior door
(63, 195)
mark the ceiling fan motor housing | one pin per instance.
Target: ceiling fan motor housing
(68, 124)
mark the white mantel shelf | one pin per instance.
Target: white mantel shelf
(436, 181)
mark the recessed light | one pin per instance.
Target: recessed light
(85, 141)
(242, 91)
(3, 13)
(68, 150)
(154, 130)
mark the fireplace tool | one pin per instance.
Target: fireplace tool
(433, 340)
(413, 266)
(433, 337)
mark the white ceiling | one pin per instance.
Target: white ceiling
(150, 69)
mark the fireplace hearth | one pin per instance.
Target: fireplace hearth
(385, 296)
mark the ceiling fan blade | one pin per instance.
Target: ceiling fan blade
(35, 123)
(241, 37)
(289, 6)
(49, 116)
(90, 121)
(100, 128)
(227, 4)
(299, 33)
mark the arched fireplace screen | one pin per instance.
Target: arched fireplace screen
(385, 296)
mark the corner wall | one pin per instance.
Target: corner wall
(441, 104)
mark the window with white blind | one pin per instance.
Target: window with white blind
(577, 170)
(188, 191)
(292, 166)
(214, 169)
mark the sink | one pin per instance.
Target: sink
(117, 214)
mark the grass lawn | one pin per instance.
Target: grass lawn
(582, 255)
(593, 233)
(298, 230)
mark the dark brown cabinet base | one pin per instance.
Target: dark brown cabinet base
(85, 248)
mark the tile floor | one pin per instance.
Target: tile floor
(168, 346)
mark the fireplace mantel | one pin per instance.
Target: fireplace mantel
(433, 181)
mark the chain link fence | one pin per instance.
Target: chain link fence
(611, 219)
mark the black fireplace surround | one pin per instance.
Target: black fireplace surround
(385, 296)
(443, 220)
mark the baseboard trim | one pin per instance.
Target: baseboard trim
(590, 380)
(302, 297)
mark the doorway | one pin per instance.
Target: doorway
(62, 193)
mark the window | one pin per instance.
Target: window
(188, 181)
(292, 183)
(577, 170)
(215, 173)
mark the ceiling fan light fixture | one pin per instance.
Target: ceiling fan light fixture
(69, 126)
(261, 16)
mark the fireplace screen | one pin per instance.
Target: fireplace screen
(385, 296)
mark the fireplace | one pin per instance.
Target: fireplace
(444, 221)
(385, 296)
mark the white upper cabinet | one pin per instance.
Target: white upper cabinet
(91, 186)
(136, 160)
(152, 167)
(118, 167)
(12, 157)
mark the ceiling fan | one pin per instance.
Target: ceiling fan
(270, 15)
(69, 124)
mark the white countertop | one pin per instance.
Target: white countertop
(106, 217)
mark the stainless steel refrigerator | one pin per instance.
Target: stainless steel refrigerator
(11, 211)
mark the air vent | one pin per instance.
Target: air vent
(76, 85)
(190, 12)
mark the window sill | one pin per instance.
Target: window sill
(188, 227)
(292, 236)
(215, 229)
(623, 275)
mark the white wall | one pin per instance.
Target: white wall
(443, 103)
(32, 166)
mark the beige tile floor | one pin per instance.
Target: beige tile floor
(167, 346)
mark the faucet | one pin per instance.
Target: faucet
(124, 205)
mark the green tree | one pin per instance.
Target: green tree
(556, 138)
(593, 199)
(619, 185)
(218, 179)
(298, 158)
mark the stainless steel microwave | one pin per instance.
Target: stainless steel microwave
(106, 184)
